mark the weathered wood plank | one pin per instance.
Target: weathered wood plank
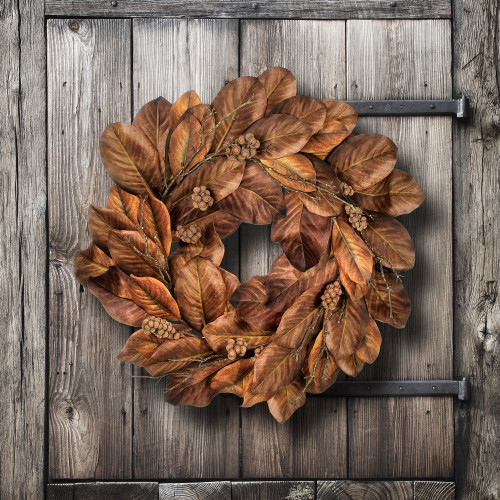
(437, 490)
(271, 490)
(354, 490)
(90, 391)
(171, 57)
(296, 449)
(23, 251)
(410, 59)
(115, 491)
(284, 9)
(220, 490)
(60, 492)
(476, 147)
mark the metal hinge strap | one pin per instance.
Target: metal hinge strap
(456, 107)
(458, 388)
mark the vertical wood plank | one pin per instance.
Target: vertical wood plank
(23, 249)
(476, 147)
(315, 53)
(172, 56)
(90, 410)
(410, 59)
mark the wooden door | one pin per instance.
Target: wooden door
(107, 422)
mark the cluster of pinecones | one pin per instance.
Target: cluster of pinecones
(160, 327)
(189, 234)
(346, 189)
(331, 296)
(201, 198)
(236, 348)
(356, 217)
(245, 147)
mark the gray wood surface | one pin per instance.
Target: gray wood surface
(23, 251)
(476, 149)
(272, 490)
(170, 58)
(437, 490)
(410, 59)
(60, 491)
(115, 491)
(295, 449)
(220, 490)
(354, 490)
(286, 9)
(90, 410)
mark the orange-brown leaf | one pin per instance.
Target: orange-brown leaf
(186, 101)
(200, 292)
(280, 135)
(111, 289)
(258, 198)
(185, 146)
(124, 202)
(152, 119)
(139, 348)
(103, 220)
(377, 299)
(128, 250)
(221, 176)
(353, 256)
(355, 290)
(319, 369)
(369, 347)
(301, 321)
(303, 236)
(389, 239)
(363, 160)
(310, 111)
(230, 103)
(339, 123)
(279, 84)
(324, 203)
(346, 328)
(131, 159)
(232, 378)
(155, 220)
(91, 262)
(285, 402)
(284, 283)
(153, 297)
(291, 171)
(395, 195)
(275, 368)
(230, 325)
(208, 246)
(249, 300)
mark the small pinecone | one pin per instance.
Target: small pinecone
(331, 295)
(346, 189)
(189, 234)
(201, 198)
(246, 147)
(160, 327)
(356, 217)
(236, 347)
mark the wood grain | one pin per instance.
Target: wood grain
(476, 146)
(220, 490)
(354, 490)
(172, 56)
(292, 449)
(437, 490)
(286, 9)
(115, 491)
(410, 59)
(23, 251)
(271, 490)
(90, 412)
(60, 492)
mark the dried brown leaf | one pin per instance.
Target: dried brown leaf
(91, 262)
(279, 84)
(285, 402)
(291, 172)
(310, 111)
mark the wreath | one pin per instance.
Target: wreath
(191, 173)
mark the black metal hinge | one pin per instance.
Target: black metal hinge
(456, 107)
(459, 388)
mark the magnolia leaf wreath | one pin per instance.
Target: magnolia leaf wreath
(191, 173)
